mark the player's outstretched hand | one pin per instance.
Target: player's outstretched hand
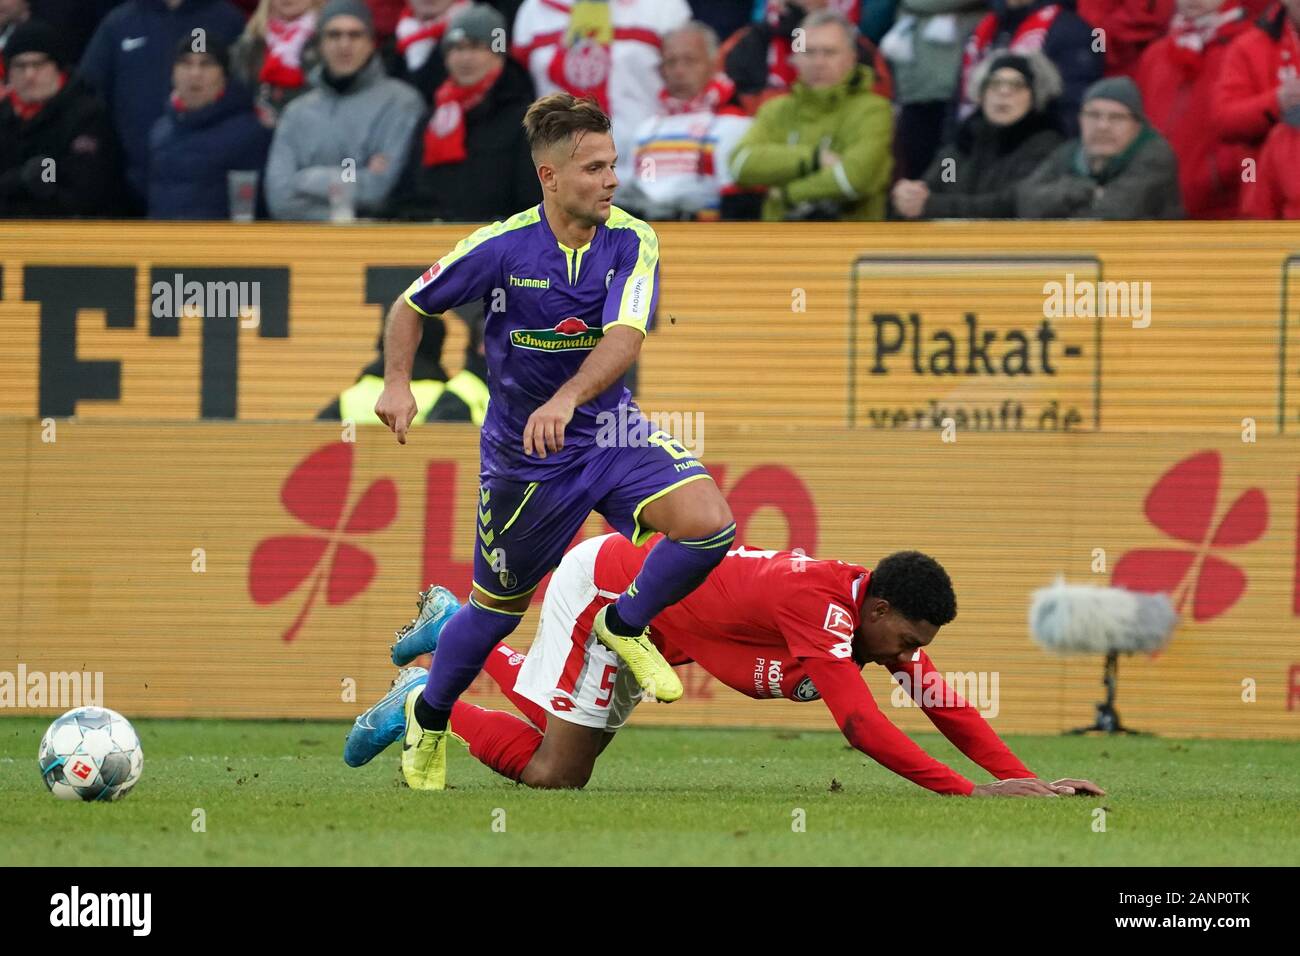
(545, 428)
(396, 409)
(1069, 785)
(1018, 787)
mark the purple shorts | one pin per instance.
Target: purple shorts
(525, 527)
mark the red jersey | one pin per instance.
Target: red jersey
(780, 624)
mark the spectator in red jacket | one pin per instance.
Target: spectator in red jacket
(1260, 79)
(1177, 76)
(1129, 27)
(1275, 193)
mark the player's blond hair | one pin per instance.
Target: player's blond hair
(561, 117)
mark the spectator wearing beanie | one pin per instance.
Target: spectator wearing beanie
(356, 123)
(129, 63)
(1177, 76)
(275, 53)
(57, 151)
(1119, 168)
(414, 53)
(1054, 29)
(1260, 79)
(469, 161)
(208, 130)
(997, 147)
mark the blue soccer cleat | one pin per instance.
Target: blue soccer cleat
(383, 723)
(435, 608)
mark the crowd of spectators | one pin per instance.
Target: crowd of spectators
(730, 109)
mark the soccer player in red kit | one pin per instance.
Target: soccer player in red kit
(769, 624)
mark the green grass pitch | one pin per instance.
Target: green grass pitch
(278, 793)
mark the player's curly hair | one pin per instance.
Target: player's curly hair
(559, 116)
(916, 585)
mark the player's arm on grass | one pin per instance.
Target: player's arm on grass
(629, 304)
(868, 730)
(826, 656)
(957, 719)
(462, 275)
(966, 727)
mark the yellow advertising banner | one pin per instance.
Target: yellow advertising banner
(243, 570)
(1007, 327)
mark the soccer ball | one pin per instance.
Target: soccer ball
(91, 753)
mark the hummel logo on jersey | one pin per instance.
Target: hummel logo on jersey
(530, 283)
(133, 43)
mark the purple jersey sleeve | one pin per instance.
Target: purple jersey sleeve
(467, 273)
(634, 290)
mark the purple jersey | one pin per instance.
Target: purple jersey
(546, 307)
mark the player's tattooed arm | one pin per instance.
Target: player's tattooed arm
(396, 406)
(607, 363)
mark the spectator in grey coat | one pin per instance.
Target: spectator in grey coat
(1119, 167)
(353, 129)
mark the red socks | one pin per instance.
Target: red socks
(496, 739)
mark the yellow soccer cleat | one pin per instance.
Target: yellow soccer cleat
(424, 752)
(652, 672)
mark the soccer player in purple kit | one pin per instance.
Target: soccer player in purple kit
(569, 288)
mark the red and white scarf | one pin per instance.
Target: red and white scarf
(1191, 36)
(709, 100)
(444, 135)
(1029, 36)
(417, 39)
(285, 41)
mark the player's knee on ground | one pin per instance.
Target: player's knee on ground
(554, 775)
